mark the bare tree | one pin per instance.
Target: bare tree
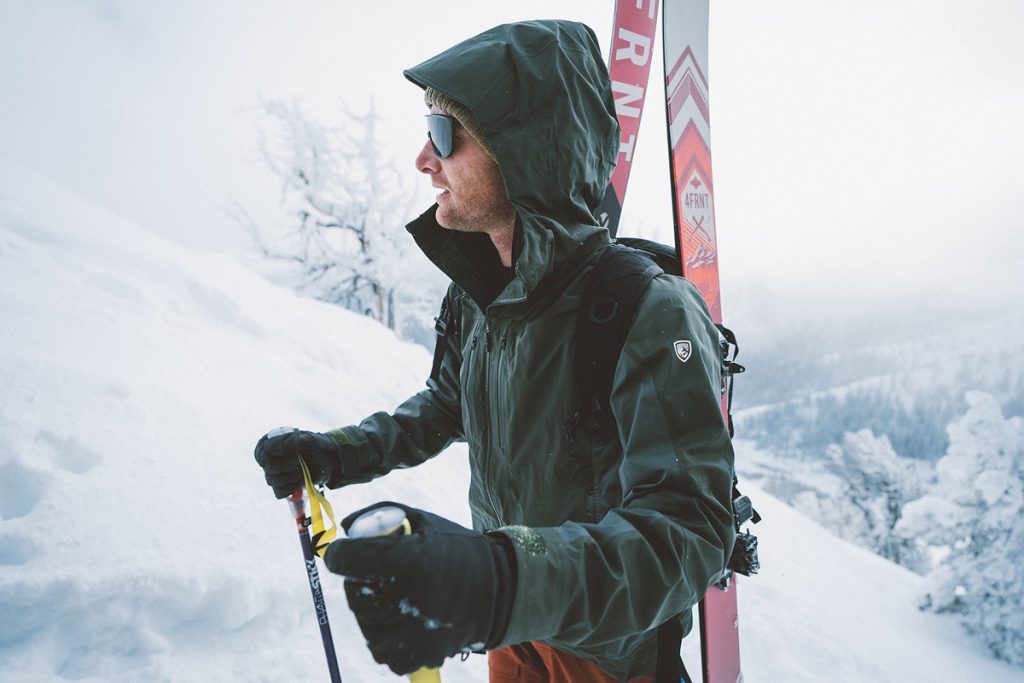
(345, 241)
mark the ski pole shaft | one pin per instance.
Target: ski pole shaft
(390, 521)
(297, 503)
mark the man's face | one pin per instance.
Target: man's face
(472, 194)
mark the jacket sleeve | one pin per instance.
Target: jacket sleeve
(423, 425)
(654, 556)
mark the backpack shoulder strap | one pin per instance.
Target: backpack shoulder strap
(662, 254)
(609, 304)
(446, 328)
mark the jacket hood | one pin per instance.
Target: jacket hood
(541, 94)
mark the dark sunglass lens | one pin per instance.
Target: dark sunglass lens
(440, 130)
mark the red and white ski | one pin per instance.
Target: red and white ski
(629, 66)
(685, 39)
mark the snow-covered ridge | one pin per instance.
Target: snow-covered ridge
(139, 542)
(137, 538)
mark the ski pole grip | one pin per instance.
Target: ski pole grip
(390, 521)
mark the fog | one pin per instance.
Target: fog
(867, 155)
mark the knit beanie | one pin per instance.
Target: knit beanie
(461, 113)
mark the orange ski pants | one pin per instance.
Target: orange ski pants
(539, 663)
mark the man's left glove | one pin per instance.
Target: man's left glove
(420, 598)
(278, 453)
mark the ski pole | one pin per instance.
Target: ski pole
(297, 503)
(390, 521)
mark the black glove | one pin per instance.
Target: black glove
(418, 599)
(278, 454)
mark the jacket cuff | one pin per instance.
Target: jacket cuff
(353, 450)
(503, 556)
(538, 582)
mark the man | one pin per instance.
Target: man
(585, 540)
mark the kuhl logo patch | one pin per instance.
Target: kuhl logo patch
(683, 349)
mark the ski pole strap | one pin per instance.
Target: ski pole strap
(318, 509)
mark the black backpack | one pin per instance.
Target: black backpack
(617, 282)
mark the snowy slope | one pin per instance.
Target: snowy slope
(823, 609)
(139, 542)
(137, 538)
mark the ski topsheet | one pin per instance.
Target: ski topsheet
(629, 65)
(685, 38)
(685, 35)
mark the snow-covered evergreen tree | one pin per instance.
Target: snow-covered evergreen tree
(974, 515)
(874, 482)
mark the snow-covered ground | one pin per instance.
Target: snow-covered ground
(139, 542)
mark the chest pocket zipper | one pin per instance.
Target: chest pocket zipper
(500, 385)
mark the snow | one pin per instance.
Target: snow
(138, 540)
(822, 609)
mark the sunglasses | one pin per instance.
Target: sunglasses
(441, 131)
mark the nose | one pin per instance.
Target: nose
(426, 161)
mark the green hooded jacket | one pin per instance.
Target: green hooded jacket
(613, 534)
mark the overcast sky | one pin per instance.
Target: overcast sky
(864, 152)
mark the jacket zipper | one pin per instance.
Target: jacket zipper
(491, 428)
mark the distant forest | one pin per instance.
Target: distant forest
(800, 403)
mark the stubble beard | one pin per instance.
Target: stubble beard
(487, 211)
(483, 221)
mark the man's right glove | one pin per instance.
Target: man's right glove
(278, 454)
(441, 591)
